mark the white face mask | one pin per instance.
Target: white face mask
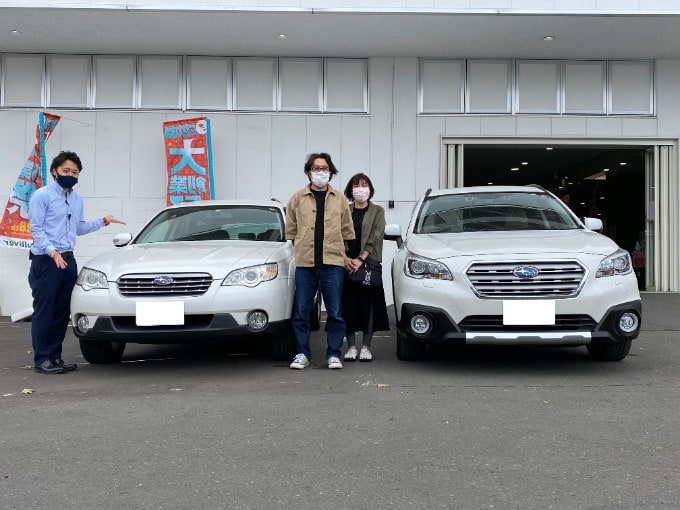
(320, 179)
(361, 193)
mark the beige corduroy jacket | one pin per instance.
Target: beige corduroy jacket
(301, 220)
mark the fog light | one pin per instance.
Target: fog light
(83, 324)
(629, 322)
(421, 324)
(258, 320)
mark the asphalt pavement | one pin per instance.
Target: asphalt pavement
(206, 426)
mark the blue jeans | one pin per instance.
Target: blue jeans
(330, 280)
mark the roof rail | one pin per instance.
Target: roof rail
(537, 186)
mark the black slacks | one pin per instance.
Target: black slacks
(51, 288)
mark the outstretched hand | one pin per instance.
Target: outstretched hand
(112, 219)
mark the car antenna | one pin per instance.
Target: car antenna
(427, 193)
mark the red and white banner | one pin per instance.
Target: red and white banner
(188, 151)
(15, 229)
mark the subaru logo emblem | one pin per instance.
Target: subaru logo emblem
(163, 280)
(525, 272)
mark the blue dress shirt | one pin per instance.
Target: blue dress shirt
(56, 217)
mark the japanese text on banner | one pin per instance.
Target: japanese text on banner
(188, 153)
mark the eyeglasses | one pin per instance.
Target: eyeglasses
(321, 169)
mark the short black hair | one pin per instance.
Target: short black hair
(322, 155)
(356, 179)
(66, 156)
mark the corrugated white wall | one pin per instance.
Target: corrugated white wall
(261, 155)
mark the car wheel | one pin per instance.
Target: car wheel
(409, 351)
(101, 352)
(282, 347)
(609, 352)
(315, 317)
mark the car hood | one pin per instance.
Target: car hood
(215, 257)
(556, 242)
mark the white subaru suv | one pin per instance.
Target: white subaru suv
(510, 265)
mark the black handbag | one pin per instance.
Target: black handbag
(368, 275)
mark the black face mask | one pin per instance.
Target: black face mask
(66, 181)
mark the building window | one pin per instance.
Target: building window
(255, 84)
(23, 78)
(208, 83)
(160, 80)
(630, 87)
(584, 87)
(488, 88)
(68, 78)
(114, 81)
(300, 84)
(442, 86)
(538, 86)
(345, 85)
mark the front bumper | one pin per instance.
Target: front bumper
(194, 329)
(221, 311)
(568, 329)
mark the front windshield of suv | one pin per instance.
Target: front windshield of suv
(194, 223)
(493, 211)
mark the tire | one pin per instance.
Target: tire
(97, 352)
(609, 352)
(282, 347)
(409, 351)
(315, 316)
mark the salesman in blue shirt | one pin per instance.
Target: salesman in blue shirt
(56, 215)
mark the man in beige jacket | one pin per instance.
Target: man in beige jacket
(318, 221)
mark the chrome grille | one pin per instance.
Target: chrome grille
(561, 278)
(183, 284)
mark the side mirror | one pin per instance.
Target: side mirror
(594, 224)
(393, 233)
(122, 239)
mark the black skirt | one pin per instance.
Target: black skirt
(360, 303)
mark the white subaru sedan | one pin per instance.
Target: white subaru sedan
(510, 265)
(196, 271)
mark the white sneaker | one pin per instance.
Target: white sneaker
(351, 354)
(299, 362)
(365, 354)
(334, 362)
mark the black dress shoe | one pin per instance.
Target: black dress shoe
(47, 367)
(66, 366)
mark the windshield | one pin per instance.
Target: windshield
(214, 223)
(476, 212)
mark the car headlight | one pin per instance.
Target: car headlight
(252, 276)
(420, 267)
(615, 264)
(90, 279)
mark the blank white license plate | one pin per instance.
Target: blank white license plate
(154, 313)
(539, 312)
